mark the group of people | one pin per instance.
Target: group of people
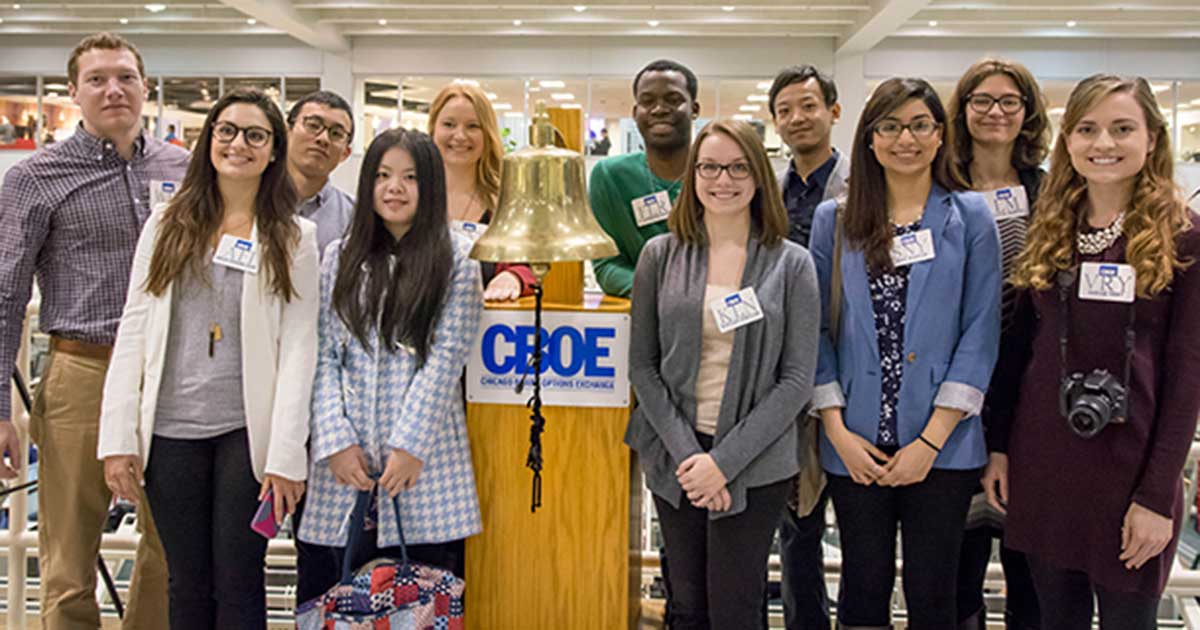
(897, 328)
(929, 330)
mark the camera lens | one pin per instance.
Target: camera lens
(1089, 415)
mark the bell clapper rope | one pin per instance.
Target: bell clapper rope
(538, 422)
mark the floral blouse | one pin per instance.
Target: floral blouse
(889, 292)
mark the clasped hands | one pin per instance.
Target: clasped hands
(349, 467)
(704, 483)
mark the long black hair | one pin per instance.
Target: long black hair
(398, 284)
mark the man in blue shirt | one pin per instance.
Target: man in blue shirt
(803, 104)
(320, 130)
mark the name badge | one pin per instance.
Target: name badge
(237, 253)
(908, 249)
(161, 192)
(1107, 282)
(1008, 203)
(469, 229)
(651, 208)
(736, 310)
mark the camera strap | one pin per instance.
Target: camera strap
(1066, 280)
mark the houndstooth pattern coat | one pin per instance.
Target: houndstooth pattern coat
(381, 401)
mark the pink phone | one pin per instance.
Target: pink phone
(264, 518)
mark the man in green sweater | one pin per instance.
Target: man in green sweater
(632, 194)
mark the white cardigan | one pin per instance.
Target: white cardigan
(279, 356)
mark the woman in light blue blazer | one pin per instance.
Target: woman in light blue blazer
(400, 306)
(910, 333)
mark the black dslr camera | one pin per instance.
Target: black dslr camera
(1092, 402)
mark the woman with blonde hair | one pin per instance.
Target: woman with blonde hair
(997, 137)
(464, 128)
(1102, 422)
(725, 318)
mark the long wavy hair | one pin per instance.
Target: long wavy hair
(865, 217)
(767, 214)
(487, 169)
(194, 215)
(394, 289)
(1033, 142)
(1156, 213)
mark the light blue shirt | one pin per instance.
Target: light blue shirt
(331, 209)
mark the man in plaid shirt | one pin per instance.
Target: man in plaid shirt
(71, 214)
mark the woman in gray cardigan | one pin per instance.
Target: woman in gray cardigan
(725, 321)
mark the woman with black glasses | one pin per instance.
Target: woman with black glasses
(724, 346)
(910, 287)
(998, 136)
(207, 397)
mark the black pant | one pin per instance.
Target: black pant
(323, 567)
(203, 495)
(312, 562)
(1020, 600)
(717, 567)
(931, 515)
(805, 600)
(1066, 598)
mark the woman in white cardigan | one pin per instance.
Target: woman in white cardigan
(206, 402)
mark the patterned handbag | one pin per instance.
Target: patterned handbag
(385, 594)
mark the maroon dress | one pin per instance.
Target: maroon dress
(1067, 495)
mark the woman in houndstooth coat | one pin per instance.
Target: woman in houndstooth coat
(400, 305)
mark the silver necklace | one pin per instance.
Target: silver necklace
(1096, 242)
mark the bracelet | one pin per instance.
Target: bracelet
(921, 436)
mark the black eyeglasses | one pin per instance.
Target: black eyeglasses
(982, 103)
(712, 170)
(314, 125)
(227, 132)
(919, 128)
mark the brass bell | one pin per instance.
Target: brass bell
(543, 214)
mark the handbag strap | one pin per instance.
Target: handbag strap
(835, 278)
(358, 519)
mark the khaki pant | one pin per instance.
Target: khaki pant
(73, 505)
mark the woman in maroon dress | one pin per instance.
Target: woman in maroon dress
(1108, 266)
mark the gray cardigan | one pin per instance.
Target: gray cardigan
(771, 368)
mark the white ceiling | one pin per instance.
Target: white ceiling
(856, 24)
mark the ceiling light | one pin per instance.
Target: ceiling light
(51, 94)
(491, 96)
(571, 106)
(750, 108)
(743, 117)
(502, 106)
(764, 85)
(252, 21)
(383, 22)
(1195, 101)
(758, 98)
(1071, 23)
(933, 23)
(1058, 111)
(1, 20)
(535, 89)
(1160, 87)
(470, 82)
(579, 8)
(517, 22)
(154, 8)
(728, 8)
(552, 84)
(124, 20)
(563, 96)
(17, 7)
(514, 114)
(653, 22)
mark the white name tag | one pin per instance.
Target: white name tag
(161, 192)
(1107, 282)
(915, 247)
(237, 253)
(736, 310)
(469, 229)
(651, 208)
(1008, 203)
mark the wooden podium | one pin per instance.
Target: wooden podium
(572, 564)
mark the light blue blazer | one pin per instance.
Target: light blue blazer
(951, 331)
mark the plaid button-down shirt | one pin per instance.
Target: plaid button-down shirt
(72, 213)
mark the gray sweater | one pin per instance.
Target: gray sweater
(771, 368)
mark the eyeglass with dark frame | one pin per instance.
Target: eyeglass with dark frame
(712, 170)
(922, 128)
(226, 132)
(981, 103)
(314, 125)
